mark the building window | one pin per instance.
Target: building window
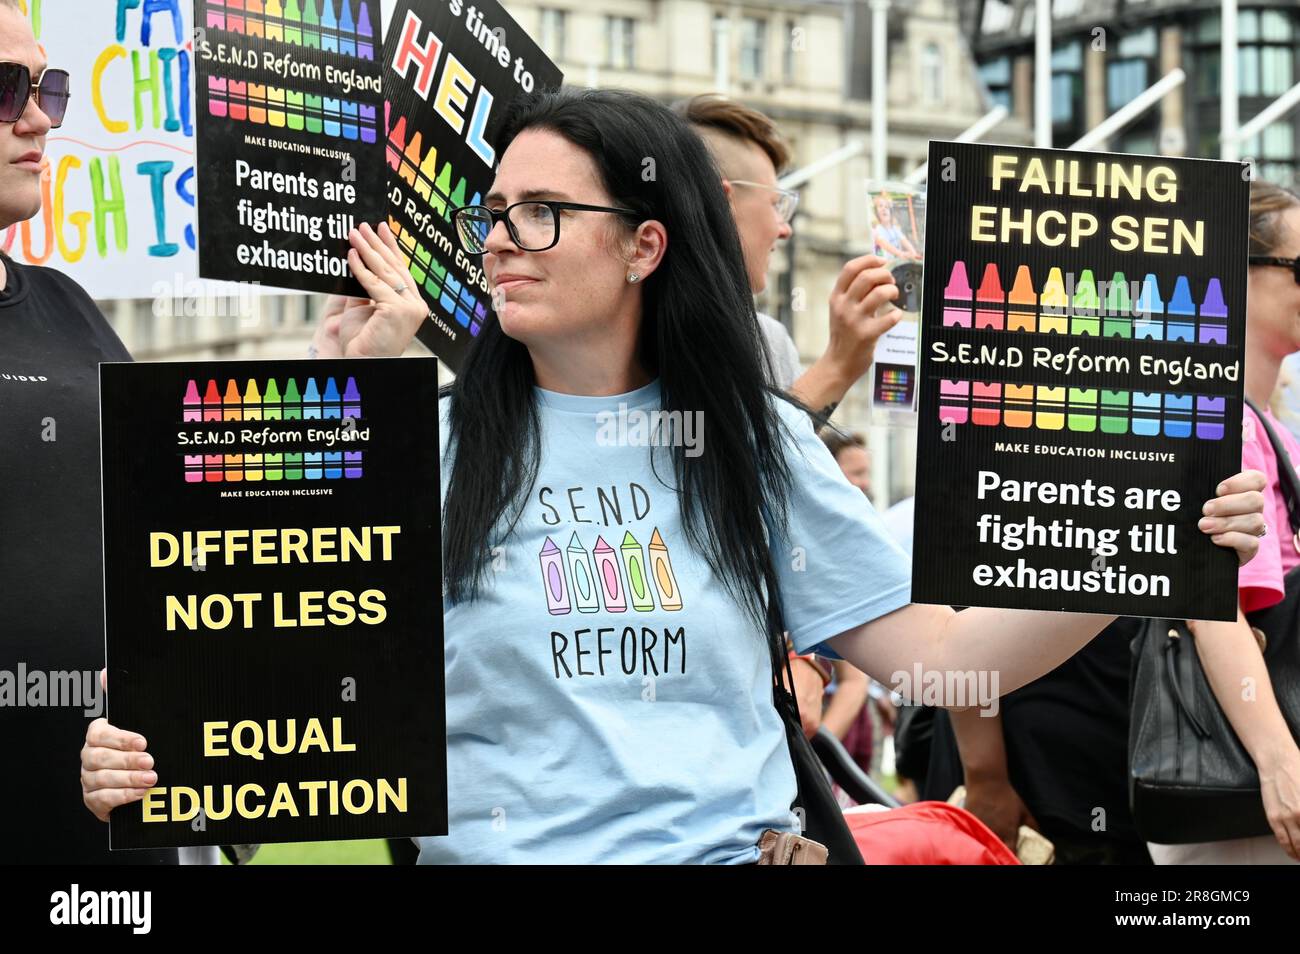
(1067, 93)
(1265, 70)
(1130, 69)
(996, 75)
(550, 37)
(787, 52)
(721, 30)
(997, 16)
(1274, 153)
(1125, 79)
(932, 73)
(620, 43)
(753, 48)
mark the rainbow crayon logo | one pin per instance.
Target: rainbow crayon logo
(1082, 410)
(267, 401)
(1085, 307)
(329, 25)
(573, 578)
(290, 109)
(311, 24)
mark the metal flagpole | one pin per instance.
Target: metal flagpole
(1043, 74)
(1228, 145)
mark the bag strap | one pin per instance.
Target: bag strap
(825, 819)
(776, 636)
(1286, 474)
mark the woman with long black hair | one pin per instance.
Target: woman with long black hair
(621, 491)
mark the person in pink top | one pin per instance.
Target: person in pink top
(1259, 583)
(1229, 652)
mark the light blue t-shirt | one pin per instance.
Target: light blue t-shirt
(606, 700)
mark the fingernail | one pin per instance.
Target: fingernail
(1205, 523)
(141, 743)
(1222, 489)
(1207, 508)
(146, 761)
(149, 777)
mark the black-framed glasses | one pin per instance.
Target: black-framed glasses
(1291, 263)
(533, 225)
(17, 89)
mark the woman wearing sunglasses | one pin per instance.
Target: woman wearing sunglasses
(608, 666)
(52, 338)
(1229, 652)
(51, 614)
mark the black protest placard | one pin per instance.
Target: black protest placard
(273, 599)
(451, 69)
(1081, 380)
(289, 138)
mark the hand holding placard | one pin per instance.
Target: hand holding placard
(362, 327)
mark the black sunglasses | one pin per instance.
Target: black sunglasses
(536, 230)
(17, 89)
(1291, 263)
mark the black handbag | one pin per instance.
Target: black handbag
(1190, 778)
(815, 804)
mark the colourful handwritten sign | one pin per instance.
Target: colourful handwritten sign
(117, 210)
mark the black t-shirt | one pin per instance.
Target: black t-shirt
(51, 572)
(1067, 738)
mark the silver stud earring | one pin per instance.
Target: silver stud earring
(633, 278)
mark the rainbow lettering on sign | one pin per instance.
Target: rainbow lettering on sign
(268, 402)
(115, 173)
(414, 49)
